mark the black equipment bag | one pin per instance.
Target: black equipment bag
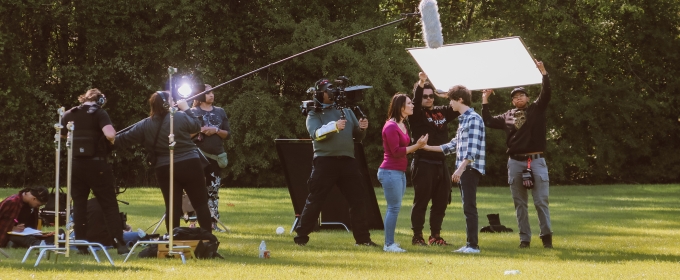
(204, 250)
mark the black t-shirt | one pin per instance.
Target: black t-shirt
(432, 122)
(216, 117)
(87, 120)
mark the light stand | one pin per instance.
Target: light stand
(171, 147)
(47, 249)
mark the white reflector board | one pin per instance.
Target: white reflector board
(479, 65)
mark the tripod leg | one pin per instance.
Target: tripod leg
(159, 225)
(218, 222)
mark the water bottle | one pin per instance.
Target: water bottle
(141, 233)
(263, 247)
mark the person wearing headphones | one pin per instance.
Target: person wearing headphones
(333, 132)
(93, 135)
(188, 161)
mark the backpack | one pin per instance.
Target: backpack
(204, 250)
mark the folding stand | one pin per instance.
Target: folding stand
(55, 248)
(218, 222)
(48, 249)
(297, 219)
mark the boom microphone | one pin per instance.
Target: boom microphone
(432, 27)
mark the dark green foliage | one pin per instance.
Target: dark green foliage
(613, 65)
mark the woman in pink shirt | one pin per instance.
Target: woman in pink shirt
(391, 173)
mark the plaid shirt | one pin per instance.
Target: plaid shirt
(469, 142)
(9, 210)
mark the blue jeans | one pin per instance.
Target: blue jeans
(394, 186)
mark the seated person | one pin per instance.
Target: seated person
(18, 212)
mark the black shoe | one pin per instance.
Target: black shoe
(301, 240)
(122, 249)
(547, 241)
(418, 240)
(368, 244)
(524, 245)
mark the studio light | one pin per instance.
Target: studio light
(184, 90)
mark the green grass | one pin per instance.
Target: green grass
(600, 232)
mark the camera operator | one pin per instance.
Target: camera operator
(93, 134)
(429, 172)
(189, 163)
(333, 140)
(214, 130)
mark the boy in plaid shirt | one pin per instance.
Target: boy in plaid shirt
(469, 145)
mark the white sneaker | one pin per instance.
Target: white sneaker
(467, 250)
(393, 248)
(460, 250)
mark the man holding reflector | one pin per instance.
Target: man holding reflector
(525, 127)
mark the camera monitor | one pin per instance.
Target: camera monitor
(479, 65)
(296, 158)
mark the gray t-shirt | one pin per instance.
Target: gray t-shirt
(216, 117)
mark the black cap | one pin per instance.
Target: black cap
(518, 89)
(40, 193)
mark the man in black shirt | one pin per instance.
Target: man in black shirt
(214, 130)
(525, 127)
(429, 173)
(92, 133)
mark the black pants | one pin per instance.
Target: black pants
(189, 178)
(326, 173)
(95, 175)
(26, 241)
(430, 182)
(468, 193)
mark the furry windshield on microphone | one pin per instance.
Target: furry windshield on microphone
(432, 27)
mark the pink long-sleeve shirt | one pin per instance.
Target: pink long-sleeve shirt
(395, 142)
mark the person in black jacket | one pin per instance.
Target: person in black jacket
(525, 128)
(188, 176)
(429, 172)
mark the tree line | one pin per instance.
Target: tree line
(614, 115)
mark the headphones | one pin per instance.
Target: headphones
(321, 86)
(101, 100)
(166, 105)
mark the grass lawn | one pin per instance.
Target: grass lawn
(600, 232)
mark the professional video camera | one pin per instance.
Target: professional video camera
(339, 91)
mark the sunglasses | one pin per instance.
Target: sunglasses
(428, 96)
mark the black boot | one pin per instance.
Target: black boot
(525, 245)
(547, 241)
(122, 248)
